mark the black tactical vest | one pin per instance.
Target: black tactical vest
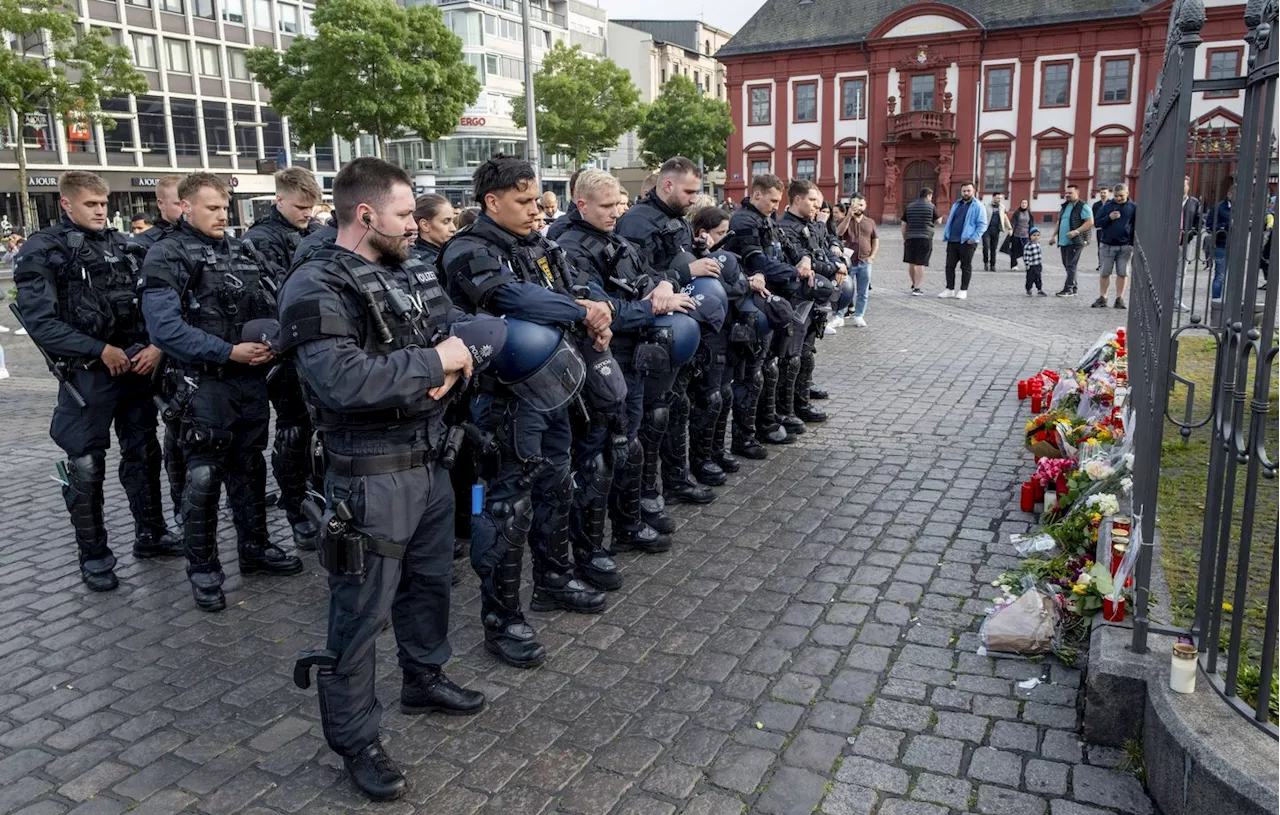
(404, 309)
(98, 290)
(225, 291)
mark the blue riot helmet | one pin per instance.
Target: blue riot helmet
(539, 365)
(847, 292)
(758, 319)
(711, 303)
(821, 291)
(681, 335)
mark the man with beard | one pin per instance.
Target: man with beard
(764, 249)
(656, 225)
(274, 238)
(364, 322)
(202, 290)
(500, 265)
(607, 471)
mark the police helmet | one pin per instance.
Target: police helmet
(821, 290)
(539, 366)
(711, 303)
(759, 319)
(847, 292)
(682, 333)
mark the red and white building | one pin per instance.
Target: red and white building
(885, 96)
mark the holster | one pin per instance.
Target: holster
(652, 358)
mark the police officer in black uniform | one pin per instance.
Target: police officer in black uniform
(765, 250)
(607, 469)
(202, 289)
(170, 208)
(657, 227)
(368, 326)
(274, 238)
(711, 388)
(502, 266)
(800, 224)
(77, 290)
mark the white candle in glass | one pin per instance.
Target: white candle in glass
(1182, 670)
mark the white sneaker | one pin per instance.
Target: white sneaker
(836, 321)
(859, 322)
(946, 294)
(828, 331)
(21, 332)
(4, 329)
(962, 295)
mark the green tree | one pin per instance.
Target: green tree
(583, 103)
(84, 68)
(683, 122)
(373, 67)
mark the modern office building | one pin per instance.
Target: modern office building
(493, 42)
(652, 51)
(202, 111)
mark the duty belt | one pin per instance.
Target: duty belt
(351, 466)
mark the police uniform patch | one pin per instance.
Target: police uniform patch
(545, 267)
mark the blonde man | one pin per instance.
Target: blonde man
(70, 276)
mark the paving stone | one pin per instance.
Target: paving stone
(814, 751)
(848, 799)
(672, 780)
(878, 742)
(997, 766)
(1001, 801)
(741, 768)
(933, 753)
(1046, 777)
(792, 791)
(594, 792)
(1015, 736)
(952, 792)
(1109, 788)
(1061, 807)
(872, 774)
(713, 803)
(1062, 746)
(834, 716)
(961, 726)
(897, 806)
(901, 715)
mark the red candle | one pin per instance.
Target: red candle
(1113, 612)
(1035, 402)
(1037, 491)
(1022, 389)
(1028, 502)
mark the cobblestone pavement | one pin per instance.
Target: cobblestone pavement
(809, 644)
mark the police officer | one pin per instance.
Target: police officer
(170, 208)
(711, 390)
(274, 239)
(607, 470)
(765, 250)
(77, 290)
(202, 289)
(800, 224)
(500, 265)
(656, 225)
(363, 320)
(436, 221)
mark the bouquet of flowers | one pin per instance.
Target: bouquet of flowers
(1042, 434)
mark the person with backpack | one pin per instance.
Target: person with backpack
(1072, 235)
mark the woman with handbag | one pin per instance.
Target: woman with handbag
(1020, 222)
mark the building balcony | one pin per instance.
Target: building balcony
(921, 124)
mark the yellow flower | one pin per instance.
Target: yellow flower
(1079, 588)
(1228, 607)
(1096, 518)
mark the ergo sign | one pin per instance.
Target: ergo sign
(472, 121)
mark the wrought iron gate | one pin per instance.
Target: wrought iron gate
(1203, 276)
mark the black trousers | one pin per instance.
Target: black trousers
(990, 248)
(961, 253)
(1034, 279)
(413, 508)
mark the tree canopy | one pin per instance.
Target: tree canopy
(373, 67)
(683, 122)
(583, 103)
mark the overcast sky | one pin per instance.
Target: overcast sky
(720, 13)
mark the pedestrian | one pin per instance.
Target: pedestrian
(1188, 229)
(140, 222)
(201, 290)
(13, 245)
(388, 396)
(550, 206)
(1115, 244)
(1020, 221)
(1103, 196)
(860, 236)
(1033, 259)
(1218, 224)
(997, 225)
(501, 265)
(918, 221)
(1075, 219)
(77, 291)
(966, 223)
(274, 239)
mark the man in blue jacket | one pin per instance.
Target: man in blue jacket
(965, 225)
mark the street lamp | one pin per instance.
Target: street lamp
(530, 112)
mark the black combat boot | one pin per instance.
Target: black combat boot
(142, 487)
(291, 463)
(746, 400)
(768, 428)
(805, 411)
(817, 393)
(433, 692)
(506, 634)
(561, 590)
(83, 496)
(701, 436)
(592, 563)
(200, 536)
(375, 774)
(719, 454)
(652, 504)
(246, 489)
(630, 532)
(788, 375)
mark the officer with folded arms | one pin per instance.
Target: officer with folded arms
(274, 238)
(607, 476)
(77, 291)
(502, 266)
(368, 327)
(202, 290)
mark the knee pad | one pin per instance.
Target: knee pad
(659, 418)
(513, 520)
(203, 481)
(91, 467)
(715, 402)
(595, 477)
(635, 451)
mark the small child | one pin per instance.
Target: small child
(1033, 257)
